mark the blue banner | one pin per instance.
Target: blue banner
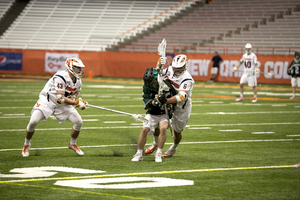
(11, 61)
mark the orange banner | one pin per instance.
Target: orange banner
(133, 65)
(200, 67)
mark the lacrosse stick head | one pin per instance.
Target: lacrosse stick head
(162, 48)
(139, 118)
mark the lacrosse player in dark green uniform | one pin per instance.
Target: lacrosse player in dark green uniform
(155, 112)
(294, 71)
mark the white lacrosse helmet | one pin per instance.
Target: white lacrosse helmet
(248, 48)
(75, 66)
(179, 64)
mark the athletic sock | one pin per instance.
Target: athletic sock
(159, 151)
(155, 140)
(27, 141)
(140, 152)
(255, 96)
(174, 146)
(73, 141)
(241, 95)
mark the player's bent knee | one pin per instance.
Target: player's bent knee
(77, 125)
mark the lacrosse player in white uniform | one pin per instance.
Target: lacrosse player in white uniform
(57, 98)
(251, 68)
(182, 82)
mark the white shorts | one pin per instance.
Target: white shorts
(181, 118)
(214, 70)
(60, 113)
(295, 82)
(154, 122)
(250, 79)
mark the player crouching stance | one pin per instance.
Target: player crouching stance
(56, 98)
(155, 113)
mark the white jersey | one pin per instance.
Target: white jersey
(60, 81)
(250, 62)
(184, 82)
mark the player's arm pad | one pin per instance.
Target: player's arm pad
(180, 97)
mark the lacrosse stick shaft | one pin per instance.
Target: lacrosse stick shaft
(162, 52)
(139, 118)
(107, 109)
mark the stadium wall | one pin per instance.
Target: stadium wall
(133, 65)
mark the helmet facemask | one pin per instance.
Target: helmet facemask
(179, 71)
(75, 67)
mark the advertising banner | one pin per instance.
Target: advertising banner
(11, 61)
(56, 61)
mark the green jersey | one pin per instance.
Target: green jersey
(294, 68)
(149, 94)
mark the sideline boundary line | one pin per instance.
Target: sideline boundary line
(148, 173)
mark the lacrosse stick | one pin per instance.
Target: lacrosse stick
(269, 73)
(138, 118)
(162, 86)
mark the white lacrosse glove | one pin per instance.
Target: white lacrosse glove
(139, 118)
(163, 60)
(257, 71)
(73, 98)
(60, 98)
(234, 69)
(81, 104)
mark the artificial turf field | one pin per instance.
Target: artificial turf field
(230, 150)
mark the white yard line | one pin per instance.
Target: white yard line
(125, 127)
(189, 143)
(262, 133)
(246, 124)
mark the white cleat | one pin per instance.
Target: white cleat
(254, 100)
(170, 152)
(239, 99)
(76, 149)
(137, 158)
(158, 157)
(292, 97)
(25, 152)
